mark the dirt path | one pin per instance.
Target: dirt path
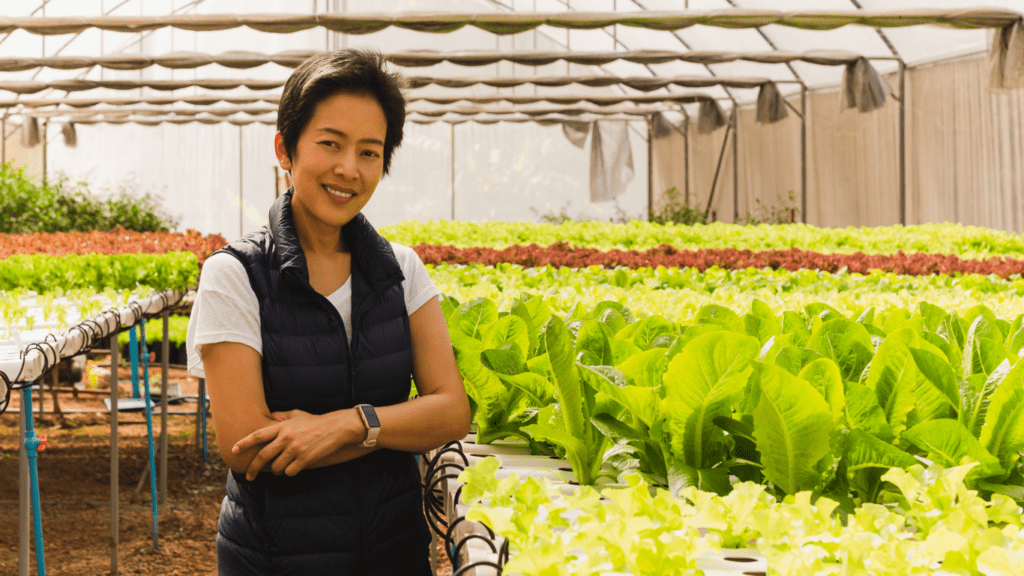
(74, 487)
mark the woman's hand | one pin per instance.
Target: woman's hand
(299, 439)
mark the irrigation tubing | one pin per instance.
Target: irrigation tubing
(434, 506)
(477, 564)
(6, 401)
(449, 545)
(490, 542)
(439, 508)
(503, 554)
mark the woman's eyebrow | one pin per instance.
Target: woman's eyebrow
(341, 134)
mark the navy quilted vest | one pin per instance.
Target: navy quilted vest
(360, 517)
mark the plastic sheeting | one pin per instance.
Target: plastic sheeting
(220, 178)
(965, 153)
(851, 179)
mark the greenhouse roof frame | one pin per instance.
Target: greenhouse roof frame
(680, 98)
(417, 58)
(517, 22)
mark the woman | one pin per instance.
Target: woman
(307, 332)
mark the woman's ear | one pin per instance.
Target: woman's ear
(281, 152)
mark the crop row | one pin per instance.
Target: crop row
(678, 294)
(562, 254)
(933, 524)
(963, 241)
(118, 241)
(806, 402)
(96, 272)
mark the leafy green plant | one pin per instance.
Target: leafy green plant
(97, 272)
(963, 241)
(177, 331)
(677, 294)
(65, 207)
(809, 401)
(785, 212)
(931, 523)
(676, 212)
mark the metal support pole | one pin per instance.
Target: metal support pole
(735, 164)
(803, 153)
(686, 154)
(24, 511)
(718, 169)
(154, 499)
(200, 408)
(165, 350)
(902, 143)
(453, 171)
(241, 201)
(3, 140)
(46, 126)
(650, 169)
(114, 468)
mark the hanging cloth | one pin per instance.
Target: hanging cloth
(30, 132)
(1007, 57)
(661, 126)
(771, 107)
(576, 132)
(70, 134)
(611, 160)
(863, 88)
(710, 117)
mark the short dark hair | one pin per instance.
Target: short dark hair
(329, 73)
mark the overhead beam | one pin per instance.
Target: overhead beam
(645, 84)
(422, 58)
(515, 23)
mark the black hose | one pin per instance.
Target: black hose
(477, 564)
(7, 395)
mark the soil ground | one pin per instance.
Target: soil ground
(74, 487)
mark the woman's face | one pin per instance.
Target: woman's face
(339, 158)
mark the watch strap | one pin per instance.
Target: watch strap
(367, 413)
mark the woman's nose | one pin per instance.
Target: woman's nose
(345, 166)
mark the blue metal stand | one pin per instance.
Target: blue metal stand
(149, 430)
(31, 446)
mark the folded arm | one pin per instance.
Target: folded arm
(253, 439)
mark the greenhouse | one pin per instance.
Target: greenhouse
(731, 286)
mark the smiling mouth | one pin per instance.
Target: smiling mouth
(337, 193)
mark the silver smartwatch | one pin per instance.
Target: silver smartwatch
(369, 416)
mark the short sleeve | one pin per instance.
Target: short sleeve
(225, 310)
(418, 285)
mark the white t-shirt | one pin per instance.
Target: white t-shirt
(226, 308)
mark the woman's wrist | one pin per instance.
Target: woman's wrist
(349, 426)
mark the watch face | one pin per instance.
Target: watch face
(371, 416)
